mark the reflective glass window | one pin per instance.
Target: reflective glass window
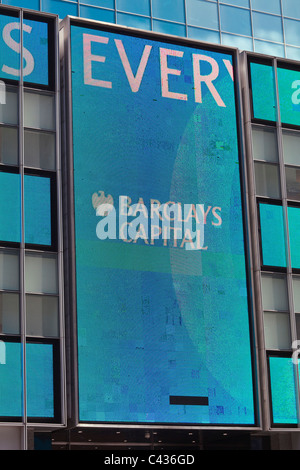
(9, 145)
(293, 182)
(267, 180)
(292, 53)
(169, 28)
(41, 273)
(99, 3)
(9, 270)
(32, 4)
(42, 315)
(238, 3)
(235, 20)
(203, 34)
(291, 147)
(9, 313)
(292, 31)
(39, 111)
(9, 109)
(294, 230)
(291, 8)
(98, 14)
(39, 380)
(240, 42)
(277, 330)
(269, 48)
(272, 235)
(134, 21)
(201, 13)
(140, 7)
(264, 143)
(172, 10)
(60, 8)
(263, 91)
(283, 397)
(274, 292)
(39, 150)
(267, 6)
(267, 27)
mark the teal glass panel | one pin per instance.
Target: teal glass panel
(289, 95)
(240, 42)
(37, 210)
(237, 3)
(272, 235)
(292, 31)
(283, 394)
(202, 34)
(294, 231)
(99, 3)
(167, 27)
(267, 27)
(203, 14)
(10, 379)
(263, 91)
(98, 14)
(172, 10)
(140, 7)
(60, 8)
(134, 21)
(31, 4)
(269, 48)
(267, 6)
(40, 389)
(10, 207)
(235, 20)
(291, 8)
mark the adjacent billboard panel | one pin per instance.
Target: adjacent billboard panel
(162, 298)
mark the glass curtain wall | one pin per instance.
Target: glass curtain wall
(273, 128)
(30, 248)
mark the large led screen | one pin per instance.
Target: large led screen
(162, 300)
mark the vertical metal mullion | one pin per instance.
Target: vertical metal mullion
(22, 246)
(292, 318)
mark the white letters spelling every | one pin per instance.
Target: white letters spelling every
(135, 80)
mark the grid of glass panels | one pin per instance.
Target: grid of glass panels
(264, 26)
(30, 313)
(275, 137)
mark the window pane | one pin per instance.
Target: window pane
(235, 20)
(172, 10)
(100, 3)
(277, 330)
(10, 207)
(60, 8)
(267, 6)
(8, 145)
(40, 376)
(39, 111)
(274, 292)
(240, 42)
(37, 192)
(41, 273)
(293, 183)
(238, 3)
(296, 294)
(272, 234)
(263, 91)
(267, 180)
(140, 7)
(291, 8)
(291, 147)
(41, 315)
(9, 110)
(267, 27)
(269, 48)
(201, 13)
(9, 270)
(169, 28)
(9, 313)
(39, 150)
(11, 379)
(283, 397)
(292, 31)
(134, 21)
(98, 14)
(204, 34)
(294, 230)
(264, 144)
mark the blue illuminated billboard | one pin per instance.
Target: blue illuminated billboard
(35, 49)
(161, 279)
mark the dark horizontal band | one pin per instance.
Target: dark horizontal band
(187, 400)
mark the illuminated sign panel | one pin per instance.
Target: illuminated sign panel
(35, 50)
(162, 303)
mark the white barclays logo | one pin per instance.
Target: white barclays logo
(182, 223)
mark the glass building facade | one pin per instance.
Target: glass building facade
(33, 311)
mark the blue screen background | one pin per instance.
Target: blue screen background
(156, 321)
